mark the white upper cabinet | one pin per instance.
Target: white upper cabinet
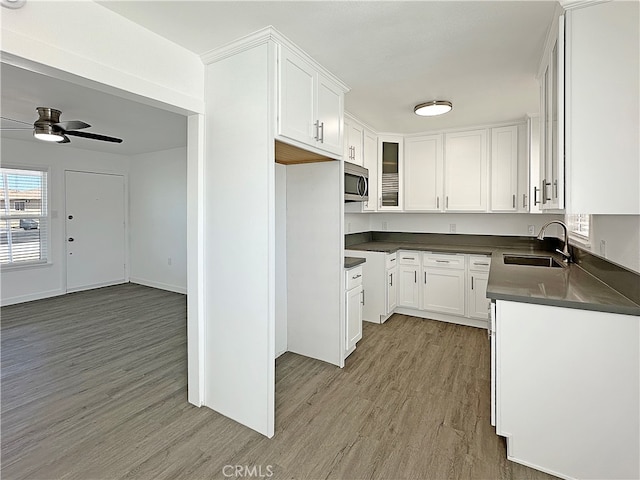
(504, 169)
(353, 142)
(423, 173)
(603, 108)
(370, 162)
(310, 106)
(390, 183)
(552, 88)
(465, 172)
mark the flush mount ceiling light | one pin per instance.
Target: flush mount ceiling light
(13, 3)
(433, 108)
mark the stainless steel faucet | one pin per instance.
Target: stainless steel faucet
(565, 251)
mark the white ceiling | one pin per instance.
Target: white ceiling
(141, 127)
(481, 55)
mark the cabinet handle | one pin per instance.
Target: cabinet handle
(545, 184)
(524, 200)
(392, 259)
(438, 202)
(471, 283)
(321, 130)
(555, 188)
(535, 196)
(316, 125)
(362, 297)
(391, 276)
(408, 258)
(357, 276)
(415, 276)
(446, 200)
(514, 201)
(380, 202)
(442, 261)
(425, 278)
(484, 264)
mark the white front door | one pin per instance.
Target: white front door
(95, 234)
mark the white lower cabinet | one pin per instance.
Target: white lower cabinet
(478, 303)
(408, 279)
(353, 308)
(567, 383)
(443, 290)
(392, 289)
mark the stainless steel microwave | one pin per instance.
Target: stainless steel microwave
(356, 183)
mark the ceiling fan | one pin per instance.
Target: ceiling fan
(49, 128)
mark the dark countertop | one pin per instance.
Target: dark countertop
(569, 286)
(350, 262)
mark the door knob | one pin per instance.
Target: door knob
(70, 217)
(71, 239)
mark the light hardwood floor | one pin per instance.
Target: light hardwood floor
(94, 387)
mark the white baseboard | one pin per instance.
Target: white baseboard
(31, 297)
(443, 317)
(160, 285)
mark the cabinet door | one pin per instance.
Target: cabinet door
(466, 171)
(354, 134)
(478, 301)
(443, 290)
(408, 286)
(354, 316)
(504, 169)
(390, 152)
(296, 98)
(423, 175)
(329, 115)
(392, 289)
(370, 162)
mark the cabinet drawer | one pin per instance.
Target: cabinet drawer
(443, 260)
(391, 260)
(408, 258)
(479, 263)
(353, 277)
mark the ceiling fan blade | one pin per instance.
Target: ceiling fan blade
(71, 125)
(94, 136)
(17, 121)
(66, 139)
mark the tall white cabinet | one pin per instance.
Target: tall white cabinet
(260, 91)
(465, 173)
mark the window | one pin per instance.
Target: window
(24, 216)
(579, 226)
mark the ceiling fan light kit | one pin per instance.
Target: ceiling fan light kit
(49, 128)
(433, 108)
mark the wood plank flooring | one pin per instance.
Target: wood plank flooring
(93, 386)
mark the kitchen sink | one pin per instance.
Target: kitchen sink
(531, 260)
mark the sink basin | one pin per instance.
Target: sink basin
(531, 260)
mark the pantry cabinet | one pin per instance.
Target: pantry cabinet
(423, 174)
(465, 172)
(310, 105)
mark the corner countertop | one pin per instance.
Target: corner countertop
(350, 262)
(569, 286)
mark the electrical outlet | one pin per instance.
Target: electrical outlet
(603, 248)
(169, 261)
(532, 229)
(384, 225)
(452, 228)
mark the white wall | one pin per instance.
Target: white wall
(158, 219)
(472, 223)
(281, 258)
(114, 52)
(20, 284)
(621, 234)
